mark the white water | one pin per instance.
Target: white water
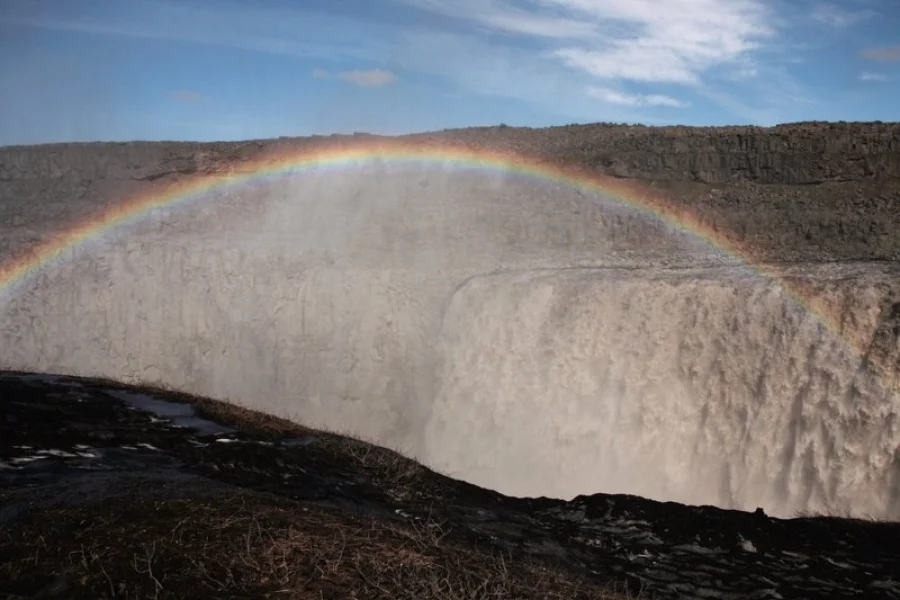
(523, 337)
(695, 387)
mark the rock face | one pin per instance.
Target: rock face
(143, 161)
(805, 191)
(801, 153)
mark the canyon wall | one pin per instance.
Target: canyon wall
(512, 331)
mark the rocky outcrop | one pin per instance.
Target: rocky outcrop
(89, 448)
(800, 153)
(143, 161)
(804, 191)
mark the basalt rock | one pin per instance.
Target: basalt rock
(797, 153)
(803, 191)
(82, 447)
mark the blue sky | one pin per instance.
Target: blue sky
(226, 69)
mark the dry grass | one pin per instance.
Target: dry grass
(386, 467)
(256, 546)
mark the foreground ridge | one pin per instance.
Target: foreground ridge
(112, 491)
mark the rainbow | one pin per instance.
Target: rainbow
(341, 157)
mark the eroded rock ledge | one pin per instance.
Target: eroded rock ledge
(796, 153)
(804, 191)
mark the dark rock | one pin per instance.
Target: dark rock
(57, 587)
(662, 549)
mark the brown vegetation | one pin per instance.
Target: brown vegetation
(250, 545)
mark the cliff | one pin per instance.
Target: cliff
(805, 191)
(800, 153)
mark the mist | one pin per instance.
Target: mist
(520, 335)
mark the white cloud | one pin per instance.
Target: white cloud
(545, 53)
(481, 67)
(835, 16)
(370, 78)
(613, 96)
(476, 64)
(505, 16)
(321, 74)
(743, 71)
(226, 24)
(523, 23)
(867, 76)
(735, 53)
(637, 40)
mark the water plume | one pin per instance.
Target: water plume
(509, 325)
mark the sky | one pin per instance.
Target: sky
(80, 70)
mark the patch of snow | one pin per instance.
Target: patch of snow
(26, 459)
(886, 584)
(695, 549)
(745, 544)
(634, 523)
(838, 564)
(59, 453)
(148, 446)
(646, 537)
